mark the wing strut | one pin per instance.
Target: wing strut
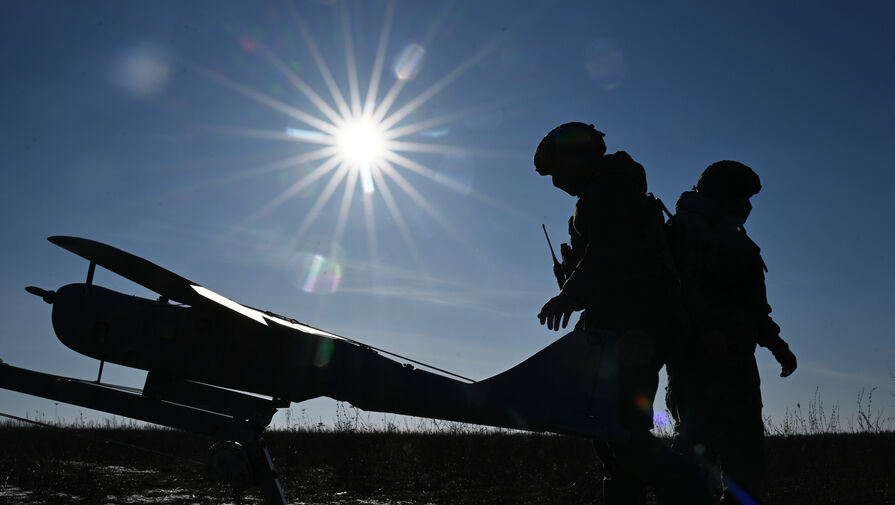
(90, 271)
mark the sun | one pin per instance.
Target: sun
(361, 142)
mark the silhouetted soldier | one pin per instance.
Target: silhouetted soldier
(622, 276)
(713, 383)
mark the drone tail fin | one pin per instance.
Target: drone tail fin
(570, 386)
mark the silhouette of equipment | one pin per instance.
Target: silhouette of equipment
(558, 270)
(48, 296)
(208, 358)
(227, 416)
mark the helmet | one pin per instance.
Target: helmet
(570, 143)
(728, 180)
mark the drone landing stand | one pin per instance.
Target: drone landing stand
(228, 416)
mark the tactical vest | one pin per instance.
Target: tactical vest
(617, 235)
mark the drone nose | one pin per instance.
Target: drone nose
(48, 296)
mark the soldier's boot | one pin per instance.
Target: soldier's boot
(676, 480)
(743, 467)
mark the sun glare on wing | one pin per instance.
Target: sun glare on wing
(357, 140)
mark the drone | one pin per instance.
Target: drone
(222, 369)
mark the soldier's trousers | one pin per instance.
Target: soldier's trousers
(718, 420)
(643, 460)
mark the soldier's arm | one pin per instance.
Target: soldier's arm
(769, 338)
(558, 310)
(768, 331)
(587, 284)
(571, 252)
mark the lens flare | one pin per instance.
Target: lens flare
(143, 70)
(248, 44)
(306, 135)
(314, 273)
(366, 180)
(434, 134)
(408, 64)
(324, 353)
(643, 403)
(739, 493)
(605, 63)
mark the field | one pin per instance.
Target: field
(139, 465)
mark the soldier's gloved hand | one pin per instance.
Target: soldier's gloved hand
(786, 359)
(559, 308)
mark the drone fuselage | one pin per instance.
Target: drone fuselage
(225, 344)
(248, 351)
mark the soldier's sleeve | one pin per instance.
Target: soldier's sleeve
(573, 251)
(767, 332)
(589, 282)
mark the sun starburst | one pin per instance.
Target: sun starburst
(359, 139)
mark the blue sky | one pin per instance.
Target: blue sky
(162, 129)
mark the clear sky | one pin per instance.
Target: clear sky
(190, 133)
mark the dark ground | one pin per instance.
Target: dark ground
(42, 465)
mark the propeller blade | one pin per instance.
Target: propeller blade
(48, 296)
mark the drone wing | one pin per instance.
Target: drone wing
(167, 283)
(131, 267)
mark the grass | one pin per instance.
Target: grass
(90, 465)
(816, 419)
(813, 457)
(355, 461)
